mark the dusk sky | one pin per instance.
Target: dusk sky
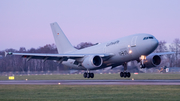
(26, 23)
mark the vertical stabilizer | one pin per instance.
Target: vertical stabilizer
(62, 43)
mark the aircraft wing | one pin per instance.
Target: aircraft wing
(58, 57)
(163, 53)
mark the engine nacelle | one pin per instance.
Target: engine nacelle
(152, 61)
(92, 62)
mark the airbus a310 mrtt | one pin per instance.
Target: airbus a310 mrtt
(113, 53)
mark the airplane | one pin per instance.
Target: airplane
(109, 54)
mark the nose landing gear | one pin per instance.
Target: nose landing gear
(142, 66)
(142, 59)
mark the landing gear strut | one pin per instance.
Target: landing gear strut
(88, 75)
(142, 66)
(125, 74)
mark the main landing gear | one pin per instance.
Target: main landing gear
(88, 75)
(125, 74)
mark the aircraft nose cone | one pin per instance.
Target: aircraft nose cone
(155, 43)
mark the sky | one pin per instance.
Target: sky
(26, 23)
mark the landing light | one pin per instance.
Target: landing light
(130, 51)
(142, 57)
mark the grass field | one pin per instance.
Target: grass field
(88, 93)
(140, 76)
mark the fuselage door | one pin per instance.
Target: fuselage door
(104, 49)
(133, 41)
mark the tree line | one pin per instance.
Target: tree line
(172, 60)
(17, 63)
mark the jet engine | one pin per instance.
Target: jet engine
(92, 62)
(152, 61)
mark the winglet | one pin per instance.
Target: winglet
(5, 53)
(8, 53)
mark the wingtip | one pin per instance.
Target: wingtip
(7, 53)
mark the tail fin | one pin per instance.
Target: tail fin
(62, 43)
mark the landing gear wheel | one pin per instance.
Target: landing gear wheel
(85, 75)
(92, 75)
(121, 74)
(128, 74)
(88, 75)
(125, 74)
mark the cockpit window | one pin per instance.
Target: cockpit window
(150, 37)
(145, 38)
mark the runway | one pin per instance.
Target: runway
(90, 82)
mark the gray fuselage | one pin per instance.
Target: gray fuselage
(124, 49)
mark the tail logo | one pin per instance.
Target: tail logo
(57, 33)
